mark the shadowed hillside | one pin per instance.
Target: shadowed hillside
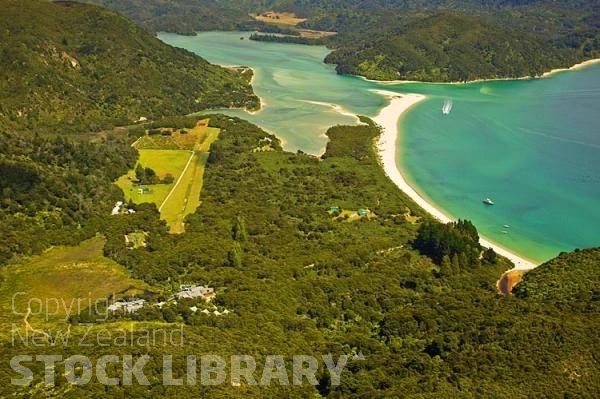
(73, 67)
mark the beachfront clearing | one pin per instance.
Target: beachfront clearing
(63, 274)
(290, 20)
(183, 155)
(278, 18)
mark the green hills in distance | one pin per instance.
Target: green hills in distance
(280, 236)
(426, 40)
(76, 67)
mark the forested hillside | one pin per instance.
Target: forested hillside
(300, 277)
(72, 67)
(432, 40)
(300, 272)
(184, 17)
(449, 47)
(57, 190)
(569, 280)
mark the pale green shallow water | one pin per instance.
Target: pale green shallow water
(533, 146)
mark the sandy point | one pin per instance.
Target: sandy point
(573, 68)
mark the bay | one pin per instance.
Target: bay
(533, 146)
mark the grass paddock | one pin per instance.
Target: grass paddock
(171, 155)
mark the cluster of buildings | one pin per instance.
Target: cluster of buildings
(127, 306)
(196, 291)
(132, 305)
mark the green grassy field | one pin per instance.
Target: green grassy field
(185, 198)
(174, 209)
(170, 154)
(64, 274)
(162, 162)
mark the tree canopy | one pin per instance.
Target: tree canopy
(70, 67)
(425, 40)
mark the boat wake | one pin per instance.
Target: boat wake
(447, 107)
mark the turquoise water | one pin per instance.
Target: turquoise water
(533, 146)
(287, 76)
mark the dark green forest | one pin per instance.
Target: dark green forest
(69, 67)
(426, 40)
(57, 190)
(564, 286)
